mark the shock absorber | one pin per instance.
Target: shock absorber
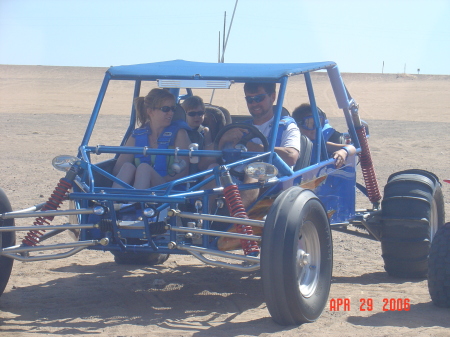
(367, 168)
(52, 204)
(236, 209)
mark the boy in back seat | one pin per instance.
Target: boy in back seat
(195, 115)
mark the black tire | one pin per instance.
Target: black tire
(439, 268)
(296, 229)
(147, 259)
(142, 259)
(7, 239)
(412, 212)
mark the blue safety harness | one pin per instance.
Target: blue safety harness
(197, 136)
(327, 131)
(283, 124)
(165, 140)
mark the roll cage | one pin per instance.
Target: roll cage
(235, 73)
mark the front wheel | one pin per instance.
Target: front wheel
(7, 239)
(439, 268)
(296, 257)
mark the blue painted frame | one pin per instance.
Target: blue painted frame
(336, 188)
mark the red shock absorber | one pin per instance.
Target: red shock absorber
(53, 203)
(367, 168)
(236, 208)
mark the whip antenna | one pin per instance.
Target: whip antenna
(228, 34)
(225, 41)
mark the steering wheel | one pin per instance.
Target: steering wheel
(253, 132)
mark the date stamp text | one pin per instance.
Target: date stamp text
(369, 304)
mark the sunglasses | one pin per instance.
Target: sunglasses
(196, 113)
(168, 108)
(256, 99)
(308, 122)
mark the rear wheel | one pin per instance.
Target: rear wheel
(296, 257)
(439, 268)
(412, 212)
(7, 239)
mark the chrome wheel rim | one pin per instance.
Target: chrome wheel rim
(308, 259)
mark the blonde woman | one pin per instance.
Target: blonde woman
(157, 130)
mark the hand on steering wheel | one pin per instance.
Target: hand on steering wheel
(253, 132)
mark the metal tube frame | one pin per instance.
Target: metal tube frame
(21, 253)
(219, 218)
(252, 262)
(32, 214)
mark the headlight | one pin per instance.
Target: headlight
(64, 162)
(149, 212)
(261, 171)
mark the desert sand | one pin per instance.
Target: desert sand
(44, 112)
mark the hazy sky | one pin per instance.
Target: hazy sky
(357, 34)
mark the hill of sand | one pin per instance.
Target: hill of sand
(44, 112)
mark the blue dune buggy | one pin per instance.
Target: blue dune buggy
(286, 232)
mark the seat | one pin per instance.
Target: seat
(304, 158)
(216, 118)
(225, 112)
(179, 113)
(284, 111)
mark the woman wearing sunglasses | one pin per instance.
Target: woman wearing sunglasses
(304, 119)
(157, 130)
(195, 116)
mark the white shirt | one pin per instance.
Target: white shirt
(289, 138)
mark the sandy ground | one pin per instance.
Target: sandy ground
(44, 112)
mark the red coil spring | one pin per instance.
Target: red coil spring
(236, 208)
(53, 203)
(368, 170)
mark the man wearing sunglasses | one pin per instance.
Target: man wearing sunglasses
(260, 98)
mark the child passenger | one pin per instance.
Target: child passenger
(195, 115)
(304, 119)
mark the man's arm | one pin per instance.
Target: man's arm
(340, 152)
(288, 154)
(289, 149)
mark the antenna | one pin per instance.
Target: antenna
(224, 29)
(218, 58)
(225, 42)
